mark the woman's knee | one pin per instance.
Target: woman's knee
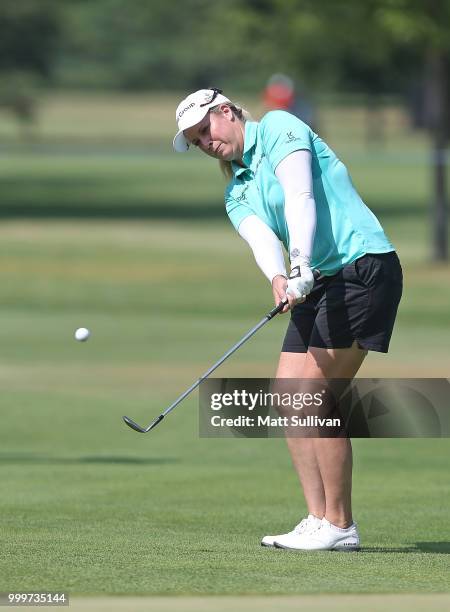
(333, 363)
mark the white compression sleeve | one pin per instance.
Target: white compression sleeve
(265, 246)
(295, 176)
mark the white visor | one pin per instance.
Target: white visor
(191, 111)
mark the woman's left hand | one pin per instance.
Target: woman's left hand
(279, 285)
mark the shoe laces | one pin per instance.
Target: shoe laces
(301, 527)
(315, 529)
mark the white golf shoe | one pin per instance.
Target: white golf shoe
(311, 522)
(324, 537)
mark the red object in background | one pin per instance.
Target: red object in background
(278, 96)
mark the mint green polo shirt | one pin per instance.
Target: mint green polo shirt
(346, 229)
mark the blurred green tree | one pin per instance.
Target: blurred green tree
(135, 44)
(372, 47)
(425, 26)
(29, 32)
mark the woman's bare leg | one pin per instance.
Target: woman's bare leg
(324, 465)
(302, 452)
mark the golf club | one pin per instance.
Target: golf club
(270, 315)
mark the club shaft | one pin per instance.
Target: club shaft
(234, 348)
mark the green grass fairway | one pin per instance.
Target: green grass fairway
(89, 506)
(102, 226)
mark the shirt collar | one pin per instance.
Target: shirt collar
(249, 136)
(251, 128)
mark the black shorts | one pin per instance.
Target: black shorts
(358, 303)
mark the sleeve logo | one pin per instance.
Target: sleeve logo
(291, 137)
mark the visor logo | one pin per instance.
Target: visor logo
(186, 108)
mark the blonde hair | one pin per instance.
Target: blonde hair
(243, 115)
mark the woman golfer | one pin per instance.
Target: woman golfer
(287, 186)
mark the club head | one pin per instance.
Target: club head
(140, 429)
(134, 425)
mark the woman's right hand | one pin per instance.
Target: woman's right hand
(279, 285)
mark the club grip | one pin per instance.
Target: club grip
(282, 304)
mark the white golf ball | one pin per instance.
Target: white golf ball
(82, 334)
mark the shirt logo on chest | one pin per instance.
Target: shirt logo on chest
(243, 195)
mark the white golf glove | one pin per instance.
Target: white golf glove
(301, 279)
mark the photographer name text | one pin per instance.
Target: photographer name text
(268, 421)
